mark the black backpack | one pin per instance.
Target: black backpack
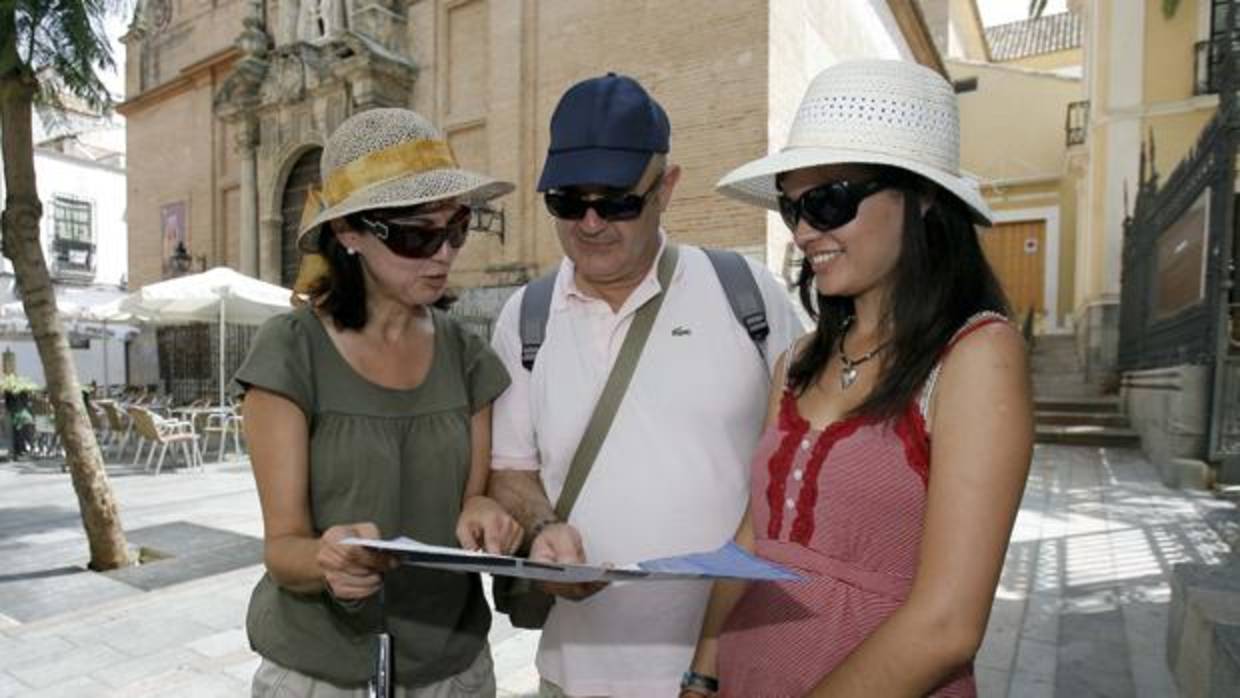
(734, 275)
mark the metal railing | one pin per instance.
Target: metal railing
(1076, 123)
(1205, 58)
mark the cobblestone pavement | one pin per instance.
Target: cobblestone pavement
(1081, 609)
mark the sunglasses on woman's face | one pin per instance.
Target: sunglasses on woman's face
(828, 206)
(415, 236)
(571, 204)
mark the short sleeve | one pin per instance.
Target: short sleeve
(485, 375)
(513, 442)
(279, 361)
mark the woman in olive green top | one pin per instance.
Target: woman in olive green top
(367, 412)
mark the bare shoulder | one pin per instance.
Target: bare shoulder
(994, 346)
(987, 367)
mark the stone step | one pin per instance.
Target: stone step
(1086, 435)
(1063, 403)
(1097, 419)
(1066, 388)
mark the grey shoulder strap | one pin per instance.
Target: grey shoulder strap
(535, 309)
(613, 391)
(743, 295)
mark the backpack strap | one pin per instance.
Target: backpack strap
(535, 309)
(743, 295)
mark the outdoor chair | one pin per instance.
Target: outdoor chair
(223, 423)
(46, 441)
(98, 422)
(120, 427)
(162, 433)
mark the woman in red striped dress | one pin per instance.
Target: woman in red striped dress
(899, 432)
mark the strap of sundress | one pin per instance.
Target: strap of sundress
(975, 322)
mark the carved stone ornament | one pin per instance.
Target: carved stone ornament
(160, 13)
(286, 79)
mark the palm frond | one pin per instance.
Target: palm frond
(65, 44)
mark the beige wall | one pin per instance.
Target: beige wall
(1050, 61)
(1169, 57)
(178, 150)
(1012, 126)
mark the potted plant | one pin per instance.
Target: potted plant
(18, 392)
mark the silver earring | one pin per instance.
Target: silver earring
(351, 251)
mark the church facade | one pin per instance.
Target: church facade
(230, 101)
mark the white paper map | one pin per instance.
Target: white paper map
(728, 562)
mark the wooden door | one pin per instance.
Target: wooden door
(1017, 252)
(305, 174)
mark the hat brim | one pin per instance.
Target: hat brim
(601, 167)
(754, 182)
(472, 188)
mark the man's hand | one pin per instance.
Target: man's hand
(562, 543)
(351, 571)
(485, 525)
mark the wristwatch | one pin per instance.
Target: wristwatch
(699, 683)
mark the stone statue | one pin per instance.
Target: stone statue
(314, 20)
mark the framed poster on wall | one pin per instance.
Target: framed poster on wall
(174, 229)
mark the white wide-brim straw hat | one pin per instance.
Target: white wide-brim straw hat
(876, 112)
(388, 158)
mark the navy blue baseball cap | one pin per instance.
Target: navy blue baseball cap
(603, 133)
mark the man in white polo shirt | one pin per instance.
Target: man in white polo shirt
(672, 475)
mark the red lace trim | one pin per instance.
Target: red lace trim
(803, 525)
(794, 428)
(911, 429)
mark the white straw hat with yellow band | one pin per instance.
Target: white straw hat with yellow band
(388, 158)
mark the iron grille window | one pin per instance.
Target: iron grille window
(1076, 122)
(73, 245)
(73, 219)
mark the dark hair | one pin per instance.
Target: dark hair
(941, 279)
(342, 292)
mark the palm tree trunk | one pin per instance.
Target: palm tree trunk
(19, 225)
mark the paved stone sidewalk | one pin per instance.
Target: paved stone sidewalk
(1081, 608)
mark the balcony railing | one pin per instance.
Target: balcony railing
(73, 257)
(1076, 123)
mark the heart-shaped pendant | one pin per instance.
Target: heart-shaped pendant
(848, 376)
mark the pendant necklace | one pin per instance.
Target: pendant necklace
(848, 375)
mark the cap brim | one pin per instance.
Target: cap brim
(472, 188)
(601, 167)
(754, 182)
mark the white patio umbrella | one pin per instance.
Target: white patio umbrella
(76, 308)
(220, 294)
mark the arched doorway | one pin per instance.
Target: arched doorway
(305, 174)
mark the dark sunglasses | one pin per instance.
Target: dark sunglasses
(571, 205)
(829, 206)
(414, 238)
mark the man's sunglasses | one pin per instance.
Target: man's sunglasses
(411, 235)
(571, 204)
(829, 206)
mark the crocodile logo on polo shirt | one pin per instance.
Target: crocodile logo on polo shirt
(681, 331)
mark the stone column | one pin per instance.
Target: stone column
(247, 148)
(269, 249)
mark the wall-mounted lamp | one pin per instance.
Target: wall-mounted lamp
(489, 220)
(181, 261)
